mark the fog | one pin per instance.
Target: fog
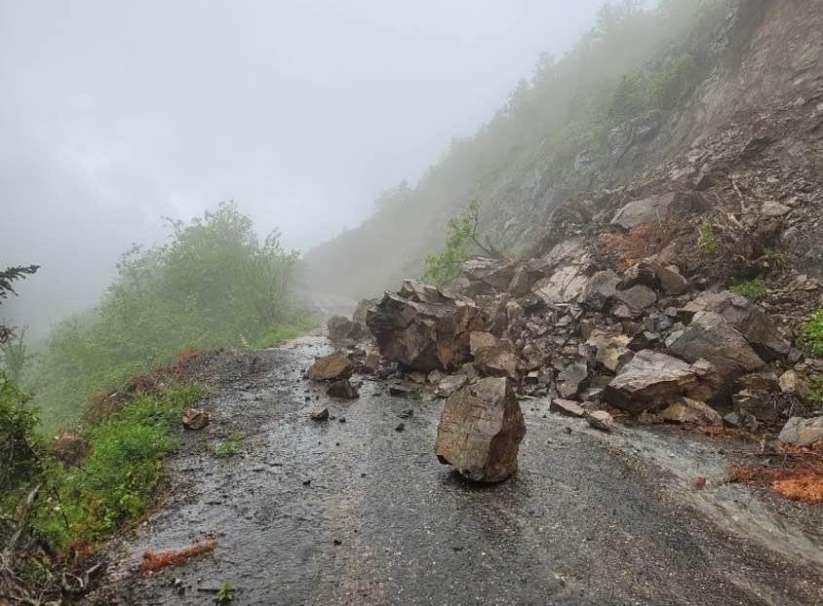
(117, 114)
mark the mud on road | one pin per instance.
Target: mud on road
(352, 511)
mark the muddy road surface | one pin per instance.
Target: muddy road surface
(353, 511)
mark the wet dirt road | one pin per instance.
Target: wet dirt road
(356, 512)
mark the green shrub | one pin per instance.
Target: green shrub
(706, 240)
(461, 243)
(118, 480)
(813, 333)
(213, 285)
(19, 447)
(754, 290)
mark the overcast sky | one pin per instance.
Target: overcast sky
(115, 113)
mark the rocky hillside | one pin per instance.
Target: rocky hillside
(721, 105)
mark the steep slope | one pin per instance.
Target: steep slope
(682, 97)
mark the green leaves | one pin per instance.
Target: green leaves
(444, 268)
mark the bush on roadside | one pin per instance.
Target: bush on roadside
(213, 285)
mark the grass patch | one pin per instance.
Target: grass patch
(813, 333)
(87, 504)
(230, 447)
(754, 290)
(706, 239)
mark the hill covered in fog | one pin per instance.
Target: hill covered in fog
(632, 101)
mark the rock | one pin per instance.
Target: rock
(520, 284)
(566, 407)
(650, 381)
(70, 448)
(480, 430)
(361, 312)
(774, 209)
(712, 338)
(600, 290)
(423, 328)
(793, 384)
(759, 395)
(691, 412)
(571, 379)
(195, 418)
(494, 273)
(343, 389)
(611, 349)
(319, 414)
(479, 340)
(499, 360)
(568, 252)
(448, 385)
(654, 274)
(671, 281)
(802, 432)
(600, 419)
(343, 331)
(748, 318)
(658, 208)
(639, 274)
(633, 301)
(565, 285)
(332, 367)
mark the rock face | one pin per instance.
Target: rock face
(423, 328)
(480, 431)
(650, 381)
(712, 338)
(802, 432)
(332, 367)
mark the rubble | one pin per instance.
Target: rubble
(499, 360)
(480, 430)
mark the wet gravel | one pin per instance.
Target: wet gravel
(357, 512)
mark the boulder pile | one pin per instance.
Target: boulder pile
(601, 321)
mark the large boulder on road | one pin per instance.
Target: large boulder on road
(423, 328)
(331, 368)
(480, 431)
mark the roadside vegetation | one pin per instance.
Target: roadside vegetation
(214, 284)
